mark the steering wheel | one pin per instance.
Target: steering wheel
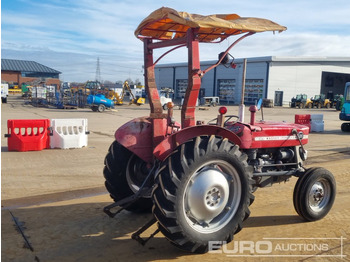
(227, 119)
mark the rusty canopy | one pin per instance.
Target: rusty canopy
(166, 23)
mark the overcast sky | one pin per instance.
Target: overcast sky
(69, 36)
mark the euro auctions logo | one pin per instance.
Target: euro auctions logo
(281, 247)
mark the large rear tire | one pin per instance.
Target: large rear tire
(314, 194)
(124, 173)
(203, 193)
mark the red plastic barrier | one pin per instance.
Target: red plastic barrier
(28, 134)
(303, 120)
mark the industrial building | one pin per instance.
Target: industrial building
(272, 77)
(17, 72)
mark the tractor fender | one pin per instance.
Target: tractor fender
(136, 136)
(167, 146)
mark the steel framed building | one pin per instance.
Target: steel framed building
(272, 77)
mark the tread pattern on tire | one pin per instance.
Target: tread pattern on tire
(114, 172)
(169, 180)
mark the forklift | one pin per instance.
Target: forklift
(300, 101)
(320, 101)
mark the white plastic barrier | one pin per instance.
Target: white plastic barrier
(68, 133)
(317, 123)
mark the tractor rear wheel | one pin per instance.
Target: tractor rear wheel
(314, 194)
(124, 173)
(203, 193)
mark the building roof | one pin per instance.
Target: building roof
(25, 66)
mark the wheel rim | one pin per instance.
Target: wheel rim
(212, 196)
(136, 172)
(319, 195)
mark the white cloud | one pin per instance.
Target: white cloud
(70, 36)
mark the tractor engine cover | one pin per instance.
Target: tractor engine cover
(269, 134)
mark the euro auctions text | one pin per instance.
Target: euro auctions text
(281, 247)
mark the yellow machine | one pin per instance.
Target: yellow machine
(320, 101)
(308, 102)
(118, 99)
(14, 88)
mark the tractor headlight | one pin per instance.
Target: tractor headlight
(301, 135)
(303, 153)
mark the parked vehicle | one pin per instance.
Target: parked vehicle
(99, 102)
(4, 92)
(345, 111)
(300, 101)
(165, 98)
(199, 179)
(136, 96)
(339, 101)
(320, 101)
(210, 101)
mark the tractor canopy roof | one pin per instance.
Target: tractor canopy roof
(166, 23)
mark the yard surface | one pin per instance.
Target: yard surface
(56, 196)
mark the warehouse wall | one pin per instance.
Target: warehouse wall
(223, 82)
(294, 78)
(164, 77)
(266, 77)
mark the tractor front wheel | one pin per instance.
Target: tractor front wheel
(314, 194)
(124, 173)
(203, 193)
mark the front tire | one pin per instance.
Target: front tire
(203, 194)
(314, 194)
(124, 173)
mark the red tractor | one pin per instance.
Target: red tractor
(198, 179)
